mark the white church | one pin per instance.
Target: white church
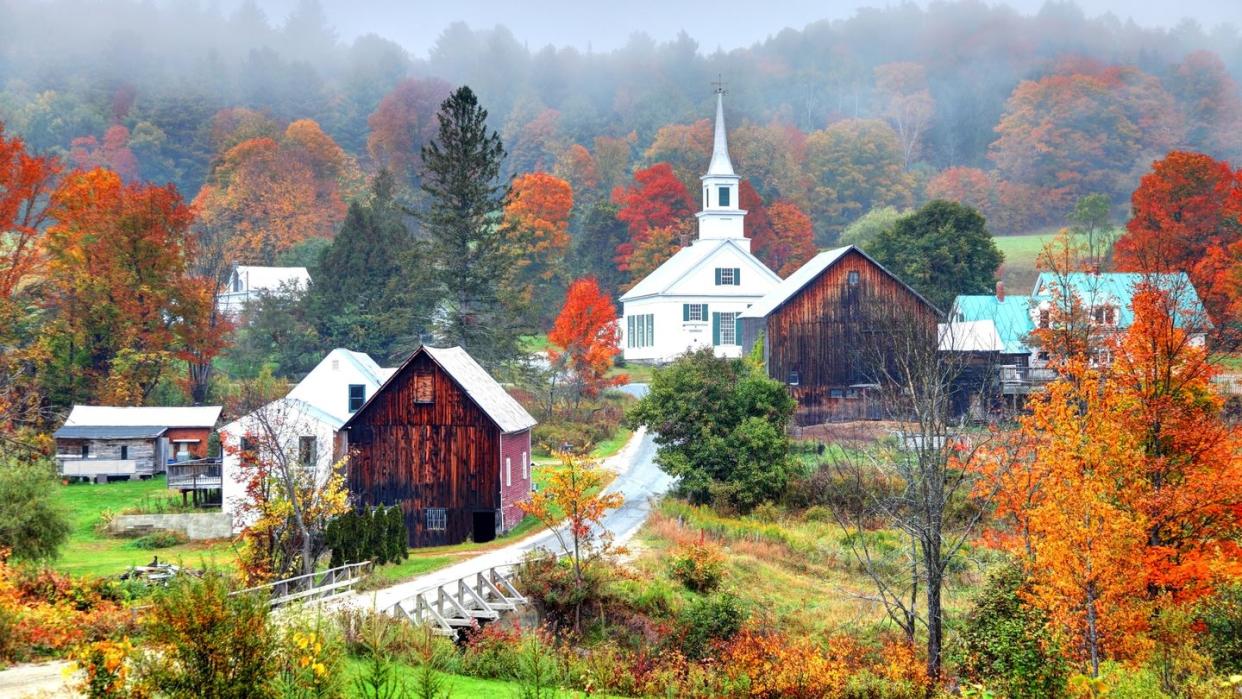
(697, 297)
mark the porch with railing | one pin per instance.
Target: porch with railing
(198, 474)
(1019, 380)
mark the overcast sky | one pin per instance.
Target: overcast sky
(605, 24)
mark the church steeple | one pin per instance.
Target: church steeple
(720, 165)
(721, 216)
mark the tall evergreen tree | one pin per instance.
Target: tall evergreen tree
(461, 177)
(354, 283)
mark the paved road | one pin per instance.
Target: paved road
(639, 480)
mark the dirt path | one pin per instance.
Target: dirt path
(36, 681)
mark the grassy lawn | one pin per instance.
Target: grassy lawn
(87, 552)
(1231, 363)
(1021, 252)
(637, 373)
(457, 685)
(534, 343)
(800, 575)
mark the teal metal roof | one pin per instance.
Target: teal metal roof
(1011, 317)
(1118, 288)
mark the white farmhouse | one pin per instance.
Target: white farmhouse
(303, 424)
(696, 298)
(248, 282)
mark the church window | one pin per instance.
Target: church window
(694, 312)
(723, 197)
(728, 276)
(640, 330)
(726, 328)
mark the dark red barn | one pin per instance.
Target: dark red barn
(446, 442)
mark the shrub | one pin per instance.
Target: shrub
(559, 596)
(537, 670)
(1221, 616)
(105, 669)
(493, 652)
(194, 624)
(310, 660)
(160, 540)
(45, 613)
(1006, 645)
(698, 566)
(33, 526)
(817, 513)
(716, 618)
(376, 534)
(768, 513)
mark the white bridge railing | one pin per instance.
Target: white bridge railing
(446, 608)
(319, 585)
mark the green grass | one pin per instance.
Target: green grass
(458, 686)
(612, 445)
(1021, 257)
(89, 553)
(637, 373)
(534, 343)
(1229, 362)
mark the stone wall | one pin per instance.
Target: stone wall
(196, 526)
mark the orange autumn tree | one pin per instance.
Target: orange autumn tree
(270, 194)
(1127, 493)
(118, 286)
(26, 181)
(789, 241)
(656, 246)
(536, 238)
(587, 332)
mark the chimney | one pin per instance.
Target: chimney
(1000, 291)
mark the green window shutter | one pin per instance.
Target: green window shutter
(685, 313)
(737, 329)
(717, 276)
(715, 329)
(737, 276)
(703, 314)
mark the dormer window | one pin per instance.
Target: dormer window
(357, 396)
(723, 197)
(728, 276)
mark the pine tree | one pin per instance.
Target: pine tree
(353, 285)
(595, 246)
(461, 179)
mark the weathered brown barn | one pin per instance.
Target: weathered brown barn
(447, 443)
(830, 329)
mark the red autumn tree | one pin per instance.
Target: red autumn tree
(587, 332)
(1188, 217)
(791, 242)
(112, 153)
(656, 199)
(536, 225)
(405, 120)
(119, 286)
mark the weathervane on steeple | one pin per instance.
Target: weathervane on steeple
(719, 85)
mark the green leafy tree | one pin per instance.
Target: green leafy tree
(1007, 644)
(357, 276)
(1090, 220)
(32, 524)
(720, 425)
(462, 181)
(866, 228)
(942, 250)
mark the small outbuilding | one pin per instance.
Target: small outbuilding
(445, 442)
(101, 442)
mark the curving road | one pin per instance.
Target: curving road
(639, 480)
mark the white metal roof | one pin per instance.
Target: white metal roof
(794, 283)
(970, 336)
(113, 416)
(257, 278)
(491, 397)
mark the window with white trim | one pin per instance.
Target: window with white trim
(436, 519)
(640, 330)
(508, 471)
(525, 466)
(306, 450)
(727, 331)
(696, 312)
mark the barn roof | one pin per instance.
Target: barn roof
(114, 416)
(490, 396)
(808, 273)
(114, 432)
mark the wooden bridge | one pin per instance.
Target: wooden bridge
(470, 600)
(318, 586)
